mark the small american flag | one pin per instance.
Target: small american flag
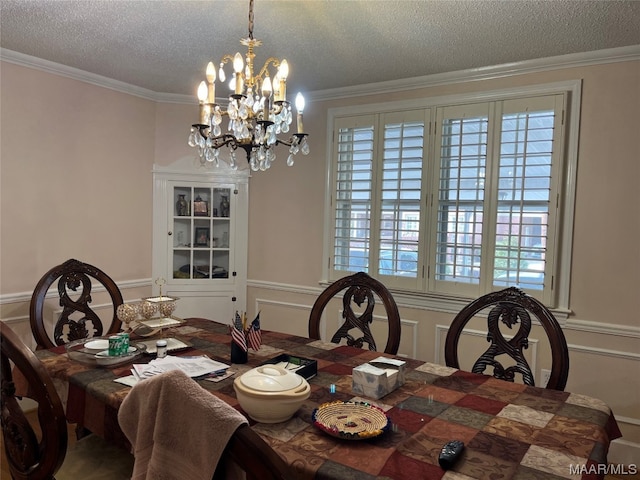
(254, 335)
(237, 333)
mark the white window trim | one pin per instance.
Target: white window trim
(452, 304)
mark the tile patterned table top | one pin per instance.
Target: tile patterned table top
(511, 431)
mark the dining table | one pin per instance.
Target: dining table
(510, 430)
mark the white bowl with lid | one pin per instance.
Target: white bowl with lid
(271, 394)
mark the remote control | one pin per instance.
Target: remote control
(450, 453)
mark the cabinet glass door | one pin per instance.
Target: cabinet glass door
(201, 232)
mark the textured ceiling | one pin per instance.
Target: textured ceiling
(164, 45)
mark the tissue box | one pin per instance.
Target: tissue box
(378, 378)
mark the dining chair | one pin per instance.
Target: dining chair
(511, 306)
(39, 451)
(77, 319)
(180, 430)
(359, 288)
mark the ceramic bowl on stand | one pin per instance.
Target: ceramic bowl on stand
(271, 394)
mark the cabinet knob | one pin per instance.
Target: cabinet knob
(170, 233)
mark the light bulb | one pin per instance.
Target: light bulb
(203, 91)
(299, 102)
(211, 73)
(284, 69)
(266, 87)
(238, 63)
(211, 77)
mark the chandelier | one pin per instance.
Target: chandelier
(258, 111)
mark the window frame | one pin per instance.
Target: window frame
(421, 296)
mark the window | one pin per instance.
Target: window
(391, 194)
(454, 198)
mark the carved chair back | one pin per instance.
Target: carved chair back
(511, 306)
(359, 289)
(77, 319)
(30, 456)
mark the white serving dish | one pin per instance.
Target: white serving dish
(86, 351)
(271, 394)
(97, 345)
(103, 358)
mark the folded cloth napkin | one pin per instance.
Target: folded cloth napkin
(178, 430)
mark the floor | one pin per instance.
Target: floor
(114, 464)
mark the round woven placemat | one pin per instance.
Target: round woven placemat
(350, 420)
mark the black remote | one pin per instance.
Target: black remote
(450, 453)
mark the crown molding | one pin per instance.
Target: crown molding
(75, 74)
(572, 60)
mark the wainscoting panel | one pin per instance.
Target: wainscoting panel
(284, 316)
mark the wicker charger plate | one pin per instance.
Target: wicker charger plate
(351, 420)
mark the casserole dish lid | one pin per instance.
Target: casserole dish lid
(270, 378)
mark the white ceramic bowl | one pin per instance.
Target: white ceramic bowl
(97, 345)
(271, 394)
(103, 358)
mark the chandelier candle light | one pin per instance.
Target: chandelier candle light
(258, 111)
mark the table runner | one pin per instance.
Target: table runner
(511, 431)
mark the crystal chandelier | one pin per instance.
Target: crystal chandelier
(258, 111)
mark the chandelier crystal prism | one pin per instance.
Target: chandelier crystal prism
(258, 111)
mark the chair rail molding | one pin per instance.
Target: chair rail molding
(26, 296)
(454, 305)
(602, 328)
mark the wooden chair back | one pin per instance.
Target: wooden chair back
(511, 306)
(30, 456)
(77, 319)
(360, 288)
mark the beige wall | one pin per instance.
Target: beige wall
(76, 164)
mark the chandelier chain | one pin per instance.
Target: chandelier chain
(251, 19)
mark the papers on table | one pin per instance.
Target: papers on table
(192, 366)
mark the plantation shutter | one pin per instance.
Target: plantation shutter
(353, 194)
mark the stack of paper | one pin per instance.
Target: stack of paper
(192, 366)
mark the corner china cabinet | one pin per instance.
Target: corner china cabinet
(200, 228)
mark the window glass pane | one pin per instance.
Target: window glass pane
(524, 187)
(400, 198)
(463, 160)
(353, 199)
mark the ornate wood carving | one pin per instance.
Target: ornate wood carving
(509, 314)
(360, 287)
(30, 456)
(77, 320)
(357, 294)
(511, 306)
